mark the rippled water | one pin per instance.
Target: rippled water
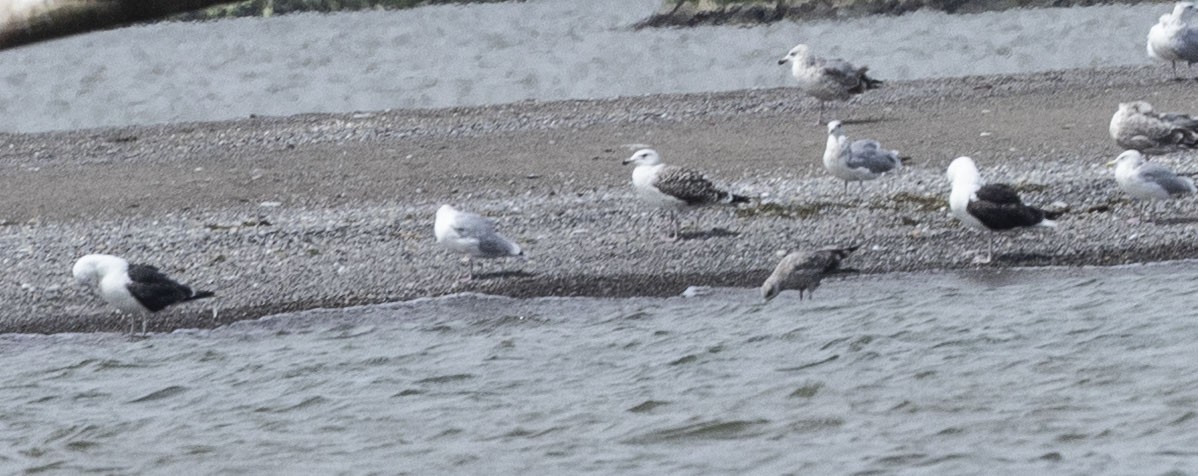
(486, 54)
(1072, 371)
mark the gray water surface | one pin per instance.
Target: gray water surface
(447, 56)
(1070, 371)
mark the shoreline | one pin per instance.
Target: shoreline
(279, 214)
(692, 13)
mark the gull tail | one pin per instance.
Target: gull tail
(903, 159)
(733, 198)
(1048, 217)
(1052, 215)
(199, 295)
(870, 83)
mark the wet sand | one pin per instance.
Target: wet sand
(279, 214)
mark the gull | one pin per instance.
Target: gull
(990, 207)
(1137, 126)
(862, 160)
(1174, 38)
(803, 270)
(827, 79)
(1148, 181)
(134, 289)
(471, 235)
(674, 188)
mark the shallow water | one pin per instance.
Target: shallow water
(1071, 371)
(499, 53)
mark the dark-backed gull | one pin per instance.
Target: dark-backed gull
(135, 289)
(990, 207)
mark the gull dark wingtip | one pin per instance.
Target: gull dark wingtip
(201, 295)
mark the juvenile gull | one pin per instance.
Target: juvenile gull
(1137, 126)
(803, 270)
(135, 289)
(1148, 181)
(990, 207)
(471, 235)
(1175, 37)
(862, 160)
(674, 188)
(827, 79)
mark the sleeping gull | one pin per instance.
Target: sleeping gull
(1148, 181)
(1137, 126)
(1174, 38)
(862, 160)
(135, 289)
(674, 188)
(990, 207)
(471, 235)
(827, 79)
(803, 270)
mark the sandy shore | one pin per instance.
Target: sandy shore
(279, 214)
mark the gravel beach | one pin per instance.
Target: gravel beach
(331, 210)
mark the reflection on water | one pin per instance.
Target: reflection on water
(1068, 371)
(486, 54)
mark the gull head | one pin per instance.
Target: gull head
(446, 212)
(1182, 11)
(834, 129)
(1128, 160)
(90, 269)
(840, 252)
(962, 169)
(644, 157)
(771, 288)
(799, 50)
(1135, 107)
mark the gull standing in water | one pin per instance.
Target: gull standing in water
(862, 160)
(827, 79)
(1148, 181)
(471, 235)
(1137, 126)
(134, 289)
(1175, 37)
(990, 207)
(674, 188)
(803, 270)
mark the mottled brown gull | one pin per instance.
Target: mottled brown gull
(674, 188)
(803, 271)
(827, 79)
(1136, 126)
